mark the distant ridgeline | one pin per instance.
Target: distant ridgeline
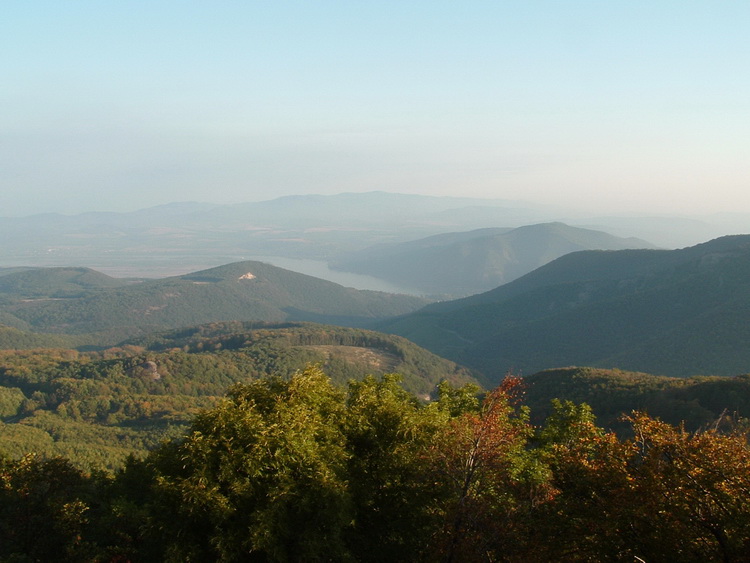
(464, 263)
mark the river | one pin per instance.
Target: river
(320, 269)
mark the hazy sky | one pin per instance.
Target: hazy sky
(625, 105)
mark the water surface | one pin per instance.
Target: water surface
(320, 269)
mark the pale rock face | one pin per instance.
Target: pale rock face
(147, 370)
(247, 276)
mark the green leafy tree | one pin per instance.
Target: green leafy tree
(262, 476)
(45, 507)
(387, 434)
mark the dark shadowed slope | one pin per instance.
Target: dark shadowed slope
(680, 312)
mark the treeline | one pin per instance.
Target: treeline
(695, 402)
(16, 339)
(300, 469)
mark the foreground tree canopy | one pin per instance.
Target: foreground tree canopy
(301, 470)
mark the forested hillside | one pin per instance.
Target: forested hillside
(337, 443)
(464, 263)
(695, 402)
(96, 408)
(681, 312)
(80, 301)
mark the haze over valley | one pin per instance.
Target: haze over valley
(375, 281)
(182, 237)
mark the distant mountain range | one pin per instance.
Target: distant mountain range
(181, 237)
(80, 300)
(471, 262)
(678, 312)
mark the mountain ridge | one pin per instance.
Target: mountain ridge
(679, 312)
(185, 236)
(247, 290)
(470, 262)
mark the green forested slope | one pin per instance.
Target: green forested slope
(79, 301)
(15, 339)
(97, 407)
(679, 313)
(698, 402)
(471, 262)
(300, 469)
(55, 282)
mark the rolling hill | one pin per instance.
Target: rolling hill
(465, 263)
(679, 312)
(96, 408)
(55, 283)
(78, 300)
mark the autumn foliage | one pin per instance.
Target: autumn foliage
(301, 470)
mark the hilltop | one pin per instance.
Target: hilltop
(80, 301)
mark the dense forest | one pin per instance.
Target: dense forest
(98, 407)
(101, 310)
(694, 402)
(301, 469)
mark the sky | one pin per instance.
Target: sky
(608, 105)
